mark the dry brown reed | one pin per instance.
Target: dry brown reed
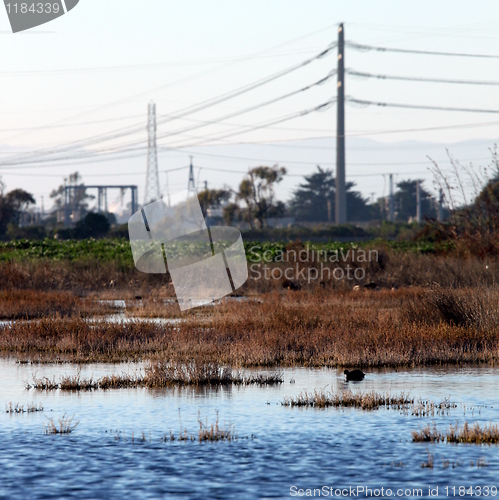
(18, 408)
(429, 463)
(349, 399)
(426, 408)
(113, 280)
(79, 276)
(474, 434)
(324, 328)
(214, 432)
(66, 426)
(34, 304)
(157, 375)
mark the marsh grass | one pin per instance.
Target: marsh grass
(42, 384)
(474, 434)
(348, 399)
(384, 328)
(76, 383)
(428, 434)
(66, 426)
(36, 304)
(429, 464)
(481, 462)
(426, 408)
(17, 408)
(215, 432)
(159, 375)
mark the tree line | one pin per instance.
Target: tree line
(254, 202)
(313, 200)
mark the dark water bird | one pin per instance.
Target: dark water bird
(354, 375)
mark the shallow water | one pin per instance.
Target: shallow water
(301, 447)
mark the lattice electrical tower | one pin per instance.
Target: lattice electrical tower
(191, 184)
(152, 176)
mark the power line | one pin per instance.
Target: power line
(247, 110)
(359, 46)
(197, 75)
(200, 141)
(182, 113)
(418, 79)
(238, 172)
(149, 66)
(419, 106)
(77, 124)
(286, 162)
(252, 128)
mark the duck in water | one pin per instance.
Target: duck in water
(354, 375)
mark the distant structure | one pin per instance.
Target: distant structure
(191, 186)
(152, 192)
(72, 214)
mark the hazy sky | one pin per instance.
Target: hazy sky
(94, 70)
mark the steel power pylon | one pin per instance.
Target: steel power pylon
(152, 176)
(191, 186)
(341, 198)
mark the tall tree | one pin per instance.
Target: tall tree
(315, 199)
(257, 192)
(310, 200)
(406, 202)
(11, 206)
(213, 198)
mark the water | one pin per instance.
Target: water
(286, 447)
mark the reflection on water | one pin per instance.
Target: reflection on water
(305, 447)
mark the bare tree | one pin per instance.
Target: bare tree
(257, 192)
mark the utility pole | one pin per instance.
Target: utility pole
(152, 176)
(391, 214)
(191, 185)
(418, 202)
(66, 210)
(341, 201)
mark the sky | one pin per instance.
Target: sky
(94, 71)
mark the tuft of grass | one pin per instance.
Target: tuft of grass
(429, 463)
(474, 434)
(428, 434)
(164, 374)
(123, 381)
(17, 408)
(214, 432)
(425, 408)
(349, 399)
(42, 384)
(66, 426)
(77, 383)
(481, 462)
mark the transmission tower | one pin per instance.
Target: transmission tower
(152, 176)
(191, 185)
